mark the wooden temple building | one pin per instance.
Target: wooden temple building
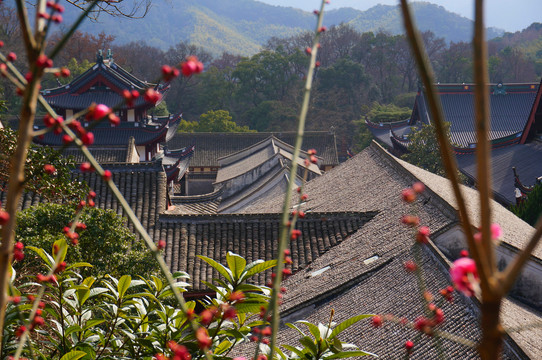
(104, 83)
(515, 132)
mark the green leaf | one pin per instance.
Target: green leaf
(337, 346)
(71, 329)
(218, 267)
(223, 347)
(92, 323)
(158, 284)
(257, 267)
(309, 344)
(42, 254)
(236, 264)
(294, 350)
(82, 295)
(78, 265)
(280, 353)
(123, 285)
(73, 355)
(248, 307)
(312, 328)
(347, 354)
(296, 328)
(61, 245)
(347, 323)
(216, 289)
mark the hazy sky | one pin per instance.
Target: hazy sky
(510, 15)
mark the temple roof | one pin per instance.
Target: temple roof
(346, 277)
(106, 134)
(510, 108)
(212, 146)
(103, 83)
(243, 161)
(253, 236)
(524, 157)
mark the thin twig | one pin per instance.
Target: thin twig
(483, 150)
(26, 30)
(285, 229)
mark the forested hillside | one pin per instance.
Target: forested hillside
(243, 26)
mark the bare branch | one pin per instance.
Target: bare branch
(483, 146)
(448, 159)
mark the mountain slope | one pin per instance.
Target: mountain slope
(240, 27)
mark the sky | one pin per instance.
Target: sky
(510, 15)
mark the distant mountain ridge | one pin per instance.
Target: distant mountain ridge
(241, 27)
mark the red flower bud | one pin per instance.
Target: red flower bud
(204, 342)
(418, 187)
(49, 169)
(409, 345)
(88, 138)
(20, 331)
(11, 57)
(44, 62)
(423, 235)
(65, 72)
(296, 233)
(4, 217)
(67, 139)
(161, 245)
(377, 321)
(48, 120)
(107, 175)
(408, 195)
(114, 119)
(86, 167)
(410, 266)
(152, 96)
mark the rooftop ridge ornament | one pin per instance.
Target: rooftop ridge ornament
(99, 57)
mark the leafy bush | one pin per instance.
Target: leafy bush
(106, 242)
(382, 113)
(120, 318)
(531, 208)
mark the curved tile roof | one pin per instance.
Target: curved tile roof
(510, 107)
(212, 146)
(112, 78)
(252, 236)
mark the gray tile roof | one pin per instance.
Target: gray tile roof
(372, 181)
(77, 96)
(212, 146)
(245, 164)
(509, 112)
(110, 154)
(253, 236)
(105, 134)
(527, 159)
(143, 186)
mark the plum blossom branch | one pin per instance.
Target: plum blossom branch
(426, 73)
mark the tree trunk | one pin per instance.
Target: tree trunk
(492, 332)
